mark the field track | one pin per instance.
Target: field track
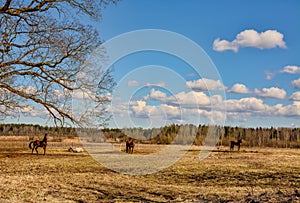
(251, 175)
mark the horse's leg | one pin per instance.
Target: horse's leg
(239, 146)
(36, 149)
(32, 148)
(44, 150)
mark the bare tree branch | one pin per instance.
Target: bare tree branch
(44, 46)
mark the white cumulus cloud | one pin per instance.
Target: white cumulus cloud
(295, 96)
(157, 95)
(296, 83)
(272, 92)
(192, 99)
(170, 110)
(224, 45)
(251, 38)
(289, 110)
(239, 88)
(139, 106)
(291, 70)
(142, 109)
(187, 99)
(249, 104)
(205, 84)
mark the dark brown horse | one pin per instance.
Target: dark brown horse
(38, 143)
(238, 143)
(129, 146)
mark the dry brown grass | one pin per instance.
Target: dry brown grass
(252, 175)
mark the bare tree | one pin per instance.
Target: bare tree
(43, 48)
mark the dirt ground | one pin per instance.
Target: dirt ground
(251, 175)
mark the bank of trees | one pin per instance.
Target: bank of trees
(34, 131)
(177, 134)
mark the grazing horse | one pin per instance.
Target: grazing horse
(38, 143)
(129, 146)
(238, 143)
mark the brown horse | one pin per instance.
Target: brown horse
(129, 146)
(38, 143)
(238, 143)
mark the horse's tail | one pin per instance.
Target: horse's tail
(30, 144)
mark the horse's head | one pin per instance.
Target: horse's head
(45, 137)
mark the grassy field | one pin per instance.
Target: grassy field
(251, 175)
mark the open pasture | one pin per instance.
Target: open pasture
(251, 175)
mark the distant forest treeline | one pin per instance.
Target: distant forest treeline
(252, 137)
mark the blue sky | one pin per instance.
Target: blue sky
(254, 46)
(261, 67)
